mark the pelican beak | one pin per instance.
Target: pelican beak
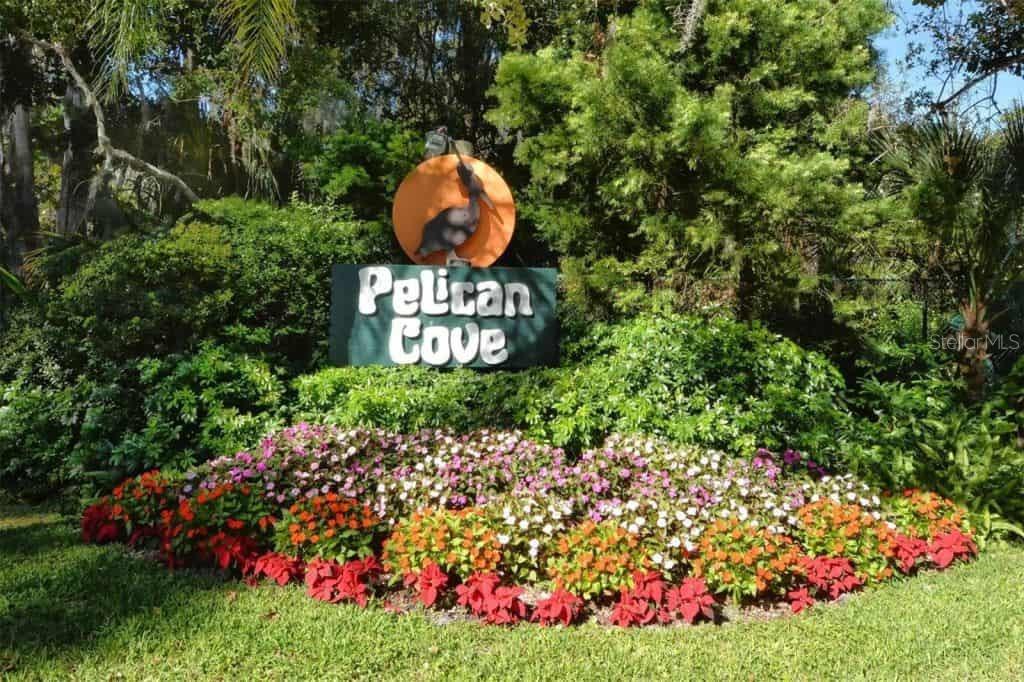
(487, 200)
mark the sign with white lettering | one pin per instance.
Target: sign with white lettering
(445, 317)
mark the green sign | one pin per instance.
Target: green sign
(445, 317)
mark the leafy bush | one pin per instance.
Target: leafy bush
(923, 515)
(459, 542)
(235, 271)
(596, 559)
(408, 399)
(716, 382)
(712, 382)
(745, 562)
(362, 165)
(920, 434)
(327, 526)
(207, 403)
(832, 529)
(181, 339)
(36, 435)
(172, 412)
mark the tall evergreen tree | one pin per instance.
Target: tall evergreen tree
(689, 139)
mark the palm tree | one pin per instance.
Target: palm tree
(122, 29)
(965, 189)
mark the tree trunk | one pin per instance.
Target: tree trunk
(972, 347)
(78, 164)
(23, 230)
(747, 287)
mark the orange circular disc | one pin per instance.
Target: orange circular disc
(434, 186)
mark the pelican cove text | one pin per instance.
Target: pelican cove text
(446, 317)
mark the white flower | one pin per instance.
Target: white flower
(674, 542)
(662, 522)
(656, 558)
(633, 528)
(548, 528)
(524, 524)
(632, 505)
(503, 539)
(669, 564)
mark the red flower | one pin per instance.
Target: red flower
(476, 592)
(908, 550)
(632, 610)
(98, 524)
(234, 524)
(832, 575)
(800, 599)
(430, 583)
(948, 547)
(280, 568)
(690, 600)
(321, 579)
(561, 607)
(504, 606)
(333, 582)
(648, 585)
(185, 511)
(227, 550)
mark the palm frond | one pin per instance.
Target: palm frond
(120, 32)
(1013, 139)
(11, 281)
(262, 29)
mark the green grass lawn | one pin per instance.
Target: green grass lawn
(68, 610)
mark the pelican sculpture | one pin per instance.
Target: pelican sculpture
(454, 225)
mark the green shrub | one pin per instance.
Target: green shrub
(362, 165)
(36, 435)
(164, 348)
(922, 434)
(407, 399)
(237, 272)
(717, 383)
(185, 409)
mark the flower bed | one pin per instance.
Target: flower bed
(636, 532)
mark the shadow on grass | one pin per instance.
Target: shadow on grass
(57, 594)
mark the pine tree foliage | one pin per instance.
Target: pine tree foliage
(652, 165)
